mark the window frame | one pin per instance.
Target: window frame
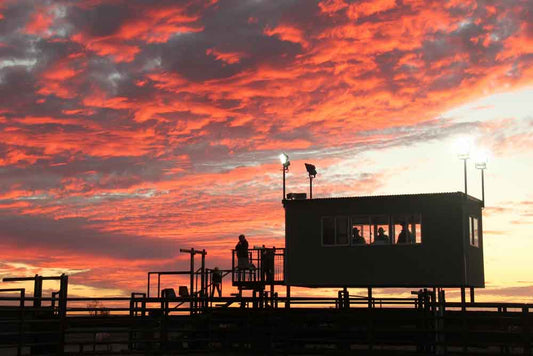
(474, 235)
(335, 238)
(365, 223)
(406, 217)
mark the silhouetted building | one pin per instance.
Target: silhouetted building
(441, 244)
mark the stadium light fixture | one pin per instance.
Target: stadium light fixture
(311, 169)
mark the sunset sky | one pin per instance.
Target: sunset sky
(131, 128)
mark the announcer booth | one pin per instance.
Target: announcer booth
(358, 242)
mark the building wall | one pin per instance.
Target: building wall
(442, 259)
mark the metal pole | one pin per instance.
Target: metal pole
(310, 187)
(288, 297)
(466, 184)
(284, 182)
(202, 277)
(482, 188)
(191, 292)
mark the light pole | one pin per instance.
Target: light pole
(284, 158)
(464, 154)
(481, 164)
(311, 169)
(465, 158)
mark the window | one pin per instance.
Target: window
(407, 229)
(474, 231)
(360, 230)
(328, 230)
(335, 231)
(379, 230)
(341, 230)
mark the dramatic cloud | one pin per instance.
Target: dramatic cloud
(130, 128)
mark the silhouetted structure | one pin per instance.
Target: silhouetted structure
(442, 248)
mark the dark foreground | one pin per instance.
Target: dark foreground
(155, 326)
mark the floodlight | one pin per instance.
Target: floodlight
(284, 158)
(311, 169)
(463, 146)
(480, 159)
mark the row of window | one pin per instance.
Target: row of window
(360, 230)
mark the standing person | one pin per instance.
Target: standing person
(216, 282)
(267, 264)
(242, 254)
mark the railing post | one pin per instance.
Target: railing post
(21, 324)
(37, 291)
(159, 285)
(370, 333)
(526, 334)
(191, 293)
(62, 308)
(346, 298)
(463, 316)
(148, 286)
(203, 282)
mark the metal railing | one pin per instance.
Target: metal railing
(265, 266)
(141, 324)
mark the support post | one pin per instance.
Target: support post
(191, 293)
(203, 280)
(288, 298)
(37, 291)
(148, 286)
(370, 298)
(63, 293)
(471, 294)
(158, 285)
(62, 306)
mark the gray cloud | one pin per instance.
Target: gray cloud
(79, 236)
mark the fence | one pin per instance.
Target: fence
(139, 324)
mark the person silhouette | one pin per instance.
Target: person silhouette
(356, 238)
(241, 250)
(216, 282)
(381, 238)
(404, 237)
(267, 263)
